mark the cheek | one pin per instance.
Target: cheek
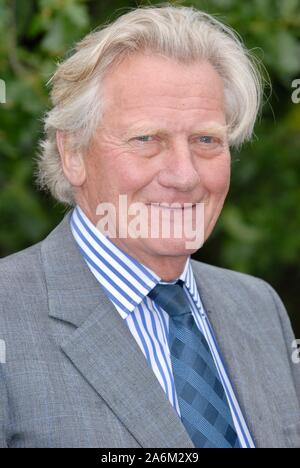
(217, 177)
(131, 173)
(108, 172)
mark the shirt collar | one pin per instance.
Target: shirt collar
(126, 281)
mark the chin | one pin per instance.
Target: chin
(173, 247)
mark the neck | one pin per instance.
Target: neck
(168, 268)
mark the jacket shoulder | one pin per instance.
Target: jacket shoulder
(229, 277)
(20, 269)
(242, 288)
(22, 288)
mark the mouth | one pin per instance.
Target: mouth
(173, 206)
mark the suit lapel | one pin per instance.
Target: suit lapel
(105, 353)
(232, 322)
(102, 348)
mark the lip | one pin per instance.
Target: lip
(171, 203)
(166, 205)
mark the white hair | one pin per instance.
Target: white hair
(181, 33)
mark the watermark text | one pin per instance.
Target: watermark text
(2, 352)
(296, 93)
(296, 353)
(157, 220)
(2, 92)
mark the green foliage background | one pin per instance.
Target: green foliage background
(258, 231)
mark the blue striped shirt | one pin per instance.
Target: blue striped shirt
(127, 283)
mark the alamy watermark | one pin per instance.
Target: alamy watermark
(2, 92)
(296, 352)
(296, 93)
(156, 220)
(2, 352)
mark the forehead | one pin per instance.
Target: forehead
(156, 85)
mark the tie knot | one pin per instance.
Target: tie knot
(171, 298)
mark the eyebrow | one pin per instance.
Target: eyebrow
(214, 129)
(209, 128)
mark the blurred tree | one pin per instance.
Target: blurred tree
(258, 232)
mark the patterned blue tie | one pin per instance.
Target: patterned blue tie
(203, 404)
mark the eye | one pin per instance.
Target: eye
(209, 143)
(207, 139)
(145, 145)
(144, 138)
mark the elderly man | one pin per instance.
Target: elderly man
(117, 339)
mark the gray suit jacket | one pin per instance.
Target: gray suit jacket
(75, 377)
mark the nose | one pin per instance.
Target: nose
(179, 171)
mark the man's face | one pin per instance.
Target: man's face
(161, 140)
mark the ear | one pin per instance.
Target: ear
(72, 160)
